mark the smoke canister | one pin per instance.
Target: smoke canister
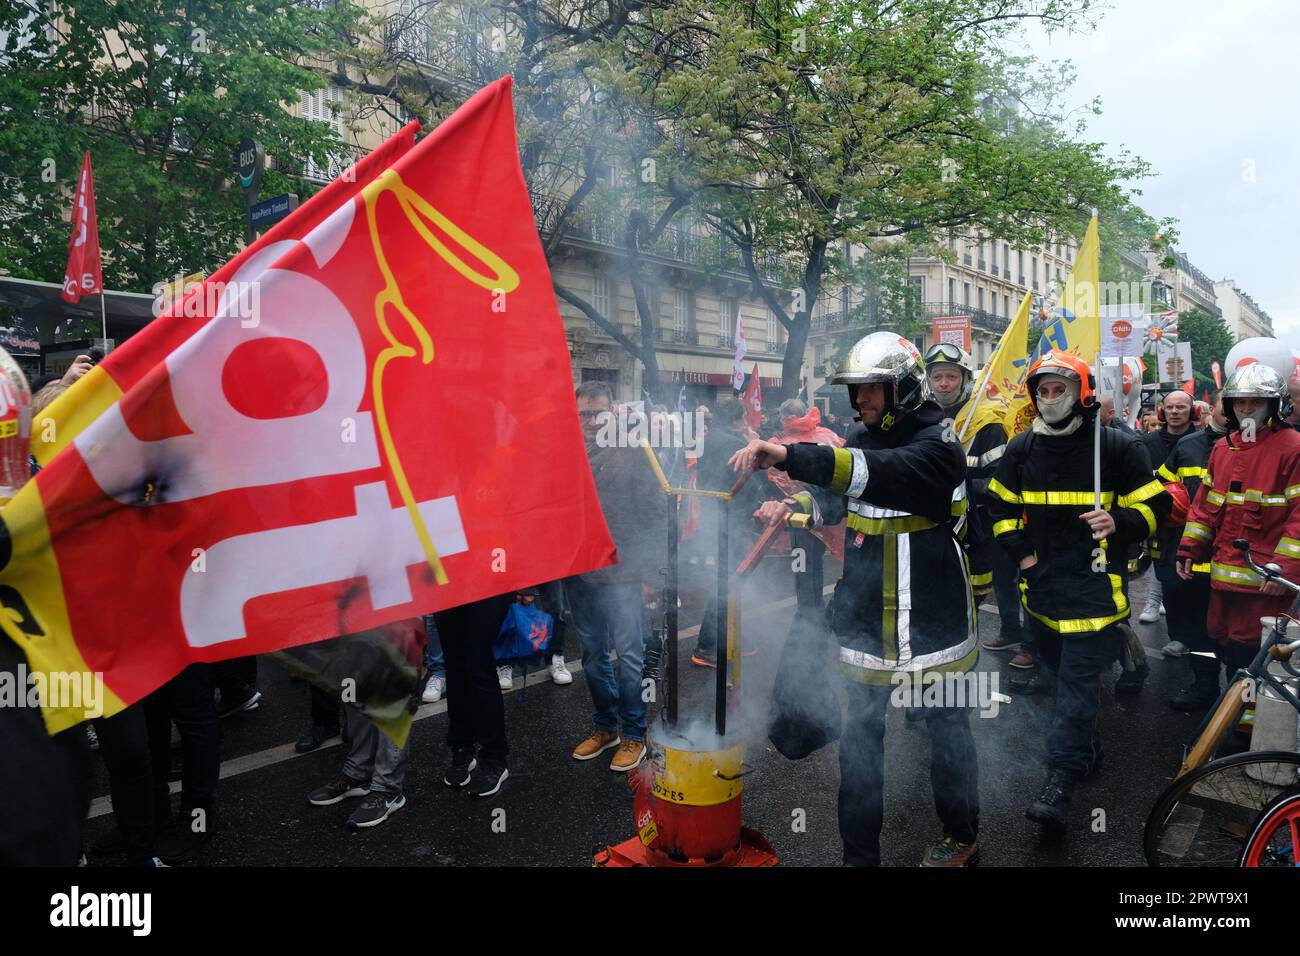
(695, 798)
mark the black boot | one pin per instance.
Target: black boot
(1053, 800)
(1195, 699)
(1130, 682)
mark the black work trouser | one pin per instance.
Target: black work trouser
(1080, 660)
(954, 774)
(186, 699)
(1187, 608)
(1006, 592)
(235, 678)
(124, 745)
(475, 710)
(324, 709)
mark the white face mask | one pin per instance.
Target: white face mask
(1259, 415)
(1055, 410)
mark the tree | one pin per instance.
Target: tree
(840, 125)
(161, 93)
(1211, 341)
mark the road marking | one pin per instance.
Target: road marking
(276, 755)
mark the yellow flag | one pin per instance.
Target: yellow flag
(1073, 326)
(1002, 378)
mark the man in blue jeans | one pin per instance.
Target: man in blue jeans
(607, 603)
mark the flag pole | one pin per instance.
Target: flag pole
(103, 315)
(1096, 451)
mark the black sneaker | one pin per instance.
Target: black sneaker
(338, 791)
(375, 809)
(487, 779)
(462, 765)
(314, 738)
(181, 844)
(1194, 700)
(1131, 682)
(250, 702)
(1053, 800)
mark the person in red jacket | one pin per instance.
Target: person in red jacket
(1251, 491)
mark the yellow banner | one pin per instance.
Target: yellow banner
(1002, 378)
(1073, 326)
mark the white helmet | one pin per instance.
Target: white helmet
(1257, 380)
(946, 353)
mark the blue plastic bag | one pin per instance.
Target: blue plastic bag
(525, 635)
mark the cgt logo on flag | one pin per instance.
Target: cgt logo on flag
(356, 457)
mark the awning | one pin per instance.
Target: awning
(41, 311)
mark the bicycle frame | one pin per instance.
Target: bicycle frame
(1232, 702)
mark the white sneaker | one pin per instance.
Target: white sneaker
(1175, 649)
(1150, 614)
(433, 690)
(506, 676)
(559, 671)
(1162, 609)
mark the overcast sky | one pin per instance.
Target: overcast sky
(1207, 91)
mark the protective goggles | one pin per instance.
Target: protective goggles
(943, 352)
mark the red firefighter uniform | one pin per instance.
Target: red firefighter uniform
(1250, 491)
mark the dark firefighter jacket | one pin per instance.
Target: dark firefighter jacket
(1159, 445)
(1186, 463)
(904, 604)
(1043, 484)
(983, 451)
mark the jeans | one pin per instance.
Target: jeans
(1079, 660)
(954, 772)
(186, 699)
(554, 605)
(476, 713)
(609, 617)
(433, 659)
(1006, 592)
(373, 756)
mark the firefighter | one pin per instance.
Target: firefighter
(952, 378)
(1045, 516)
(1189, 601)
(1174, 413)
(903, 611)
(1250, 491)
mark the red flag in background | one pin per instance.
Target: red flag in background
(85, 272)
(754, 400)
(365, 416)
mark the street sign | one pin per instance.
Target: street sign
(268, 211)
(248, 163)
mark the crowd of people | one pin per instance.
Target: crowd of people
(900, 492)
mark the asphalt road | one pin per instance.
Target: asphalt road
(558, 810)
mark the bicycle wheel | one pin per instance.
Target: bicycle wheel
(1276, 838)
(1206, 817)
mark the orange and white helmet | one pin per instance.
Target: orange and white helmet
(1070, 367)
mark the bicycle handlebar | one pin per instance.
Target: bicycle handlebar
(1267, 573)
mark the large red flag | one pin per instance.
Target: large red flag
(754, 400)
(85, 272)
(365, 416)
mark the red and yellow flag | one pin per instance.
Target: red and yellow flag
(365, 416)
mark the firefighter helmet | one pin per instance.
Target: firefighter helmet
(1256, 380)
(946, 353)
(1070, 367)
(1182, 504)
(891, 359)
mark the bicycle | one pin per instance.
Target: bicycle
(1244, 809)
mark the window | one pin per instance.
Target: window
(681, 311)
(916, 286)
(773, 330)
(965, 294)
(323, 106)
(1020, 263)
(1006, 307)
(993, 256)
(981, 298)
(600, 301)
(727, 323)
(952, 290)
(820, 353)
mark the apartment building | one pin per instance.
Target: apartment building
(1244, 316)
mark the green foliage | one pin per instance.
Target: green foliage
(1211, 341)
(160, 93)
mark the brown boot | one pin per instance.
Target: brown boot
(1024, 661)
(1000, 643)
(629, 755)
(597, 743)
